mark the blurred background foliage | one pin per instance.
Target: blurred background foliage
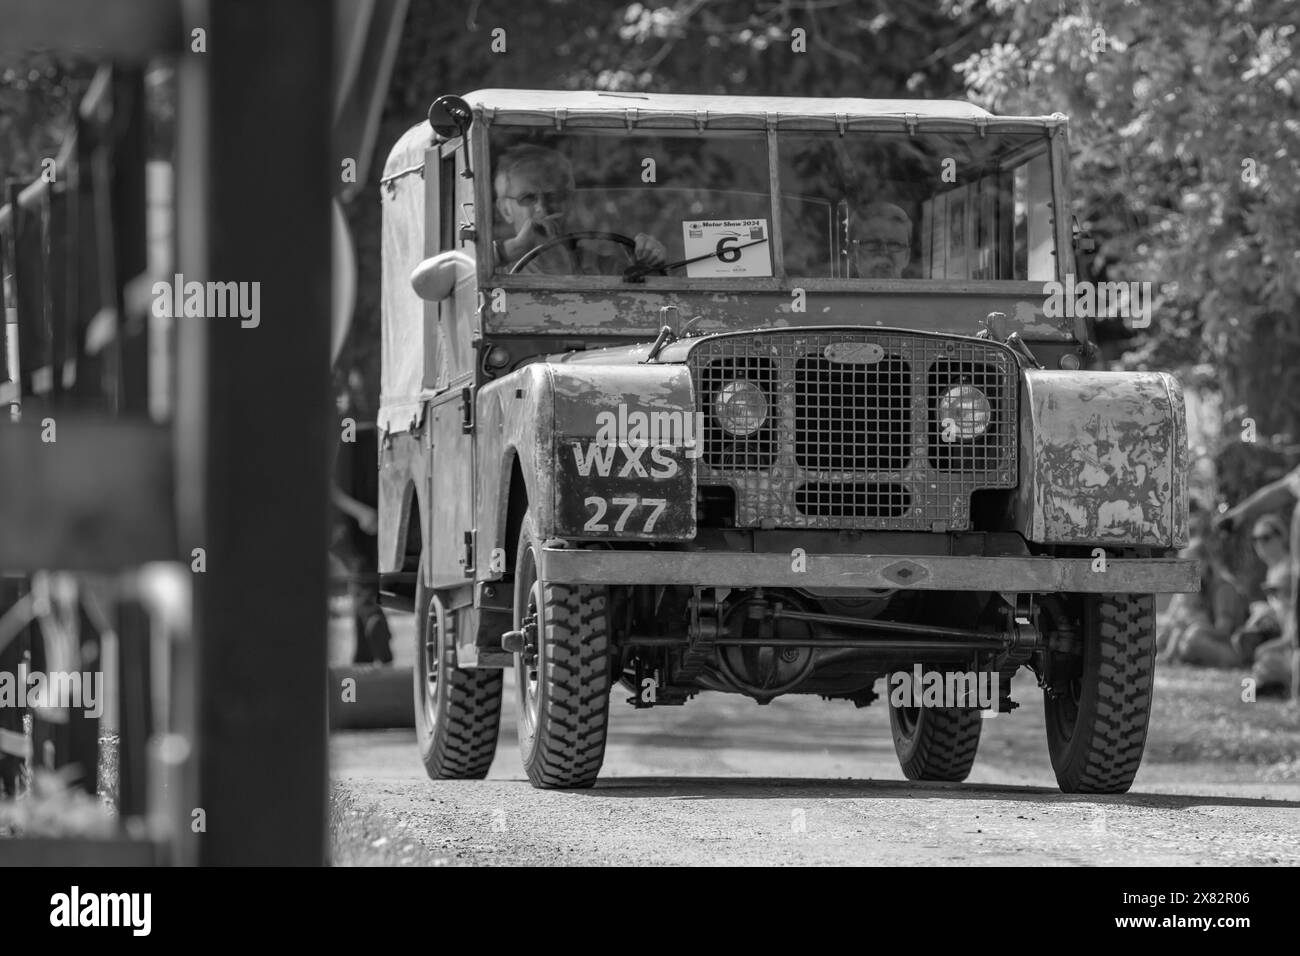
(1184, 127)
(38, 93)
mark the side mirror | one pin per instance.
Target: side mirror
(450, 116)
(435, 278)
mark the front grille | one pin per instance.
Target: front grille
(847, 499)
(852, 417)
(854, 436)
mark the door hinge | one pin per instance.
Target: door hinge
(467, 560)
(467, 409)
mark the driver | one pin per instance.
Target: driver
(534, 187)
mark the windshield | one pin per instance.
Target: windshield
(691, 204)
(933, 206)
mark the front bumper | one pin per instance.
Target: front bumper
(909, 572)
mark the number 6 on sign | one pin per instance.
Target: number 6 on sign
(594, 523)
(726, 247)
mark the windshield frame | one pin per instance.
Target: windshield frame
(1053, 129)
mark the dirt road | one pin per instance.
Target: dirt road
(805, 781)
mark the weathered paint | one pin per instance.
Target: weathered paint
(585, 392)
(1182, 465)
(403, 473)
(515, 416)
(583, 395)
(874, 571)
(450, 504)
(535, 415)
(595, 306)
(1103, 459)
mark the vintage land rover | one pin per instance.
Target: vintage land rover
(835, 430)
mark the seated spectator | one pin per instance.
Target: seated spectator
(1197, 628)
(1272, 669)
(1277, 662)
(1265, 622)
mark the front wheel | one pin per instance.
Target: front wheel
(1098, 709)
(562, 674)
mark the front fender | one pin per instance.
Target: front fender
(548, 418)
(625, 439)
(514, 421)
(1103, 459)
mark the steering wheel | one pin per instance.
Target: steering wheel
(628, 243)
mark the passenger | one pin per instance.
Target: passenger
(534, 187)
(883, 246)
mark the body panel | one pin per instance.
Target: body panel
(403, 483)
(919, 305)
(624, 438)
(513, 416)
(450, 515)
(404, 215)
(1103, 459)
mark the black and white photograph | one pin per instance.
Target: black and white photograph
(673, 434)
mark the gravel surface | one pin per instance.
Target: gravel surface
(805, 781)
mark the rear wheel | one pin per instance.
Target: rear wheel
(1098, 708)
(935, 743)
(562, 674)
(457, 710)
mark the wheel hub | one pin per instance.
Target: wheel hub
(528, 631)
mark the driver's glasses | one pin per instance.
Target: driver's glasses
(874, 247)
(558, 198)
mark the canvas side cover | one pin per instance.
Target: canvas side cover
(402, 198)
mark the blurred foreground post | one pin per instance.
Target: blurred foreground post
(254, 187)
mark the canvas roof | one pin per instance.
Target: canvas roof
(594, 107)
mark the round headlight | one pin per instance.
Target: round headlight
(740, 407)
(964, 413)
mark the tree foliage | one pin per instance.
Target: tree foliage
(1186, 133)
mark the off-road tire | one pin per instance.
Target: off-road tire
(563, 707)
(457, 719)
(935, 743)
(1097, 731)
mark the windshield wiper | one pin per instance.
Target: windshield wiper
(996, 328)
(637, 273)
